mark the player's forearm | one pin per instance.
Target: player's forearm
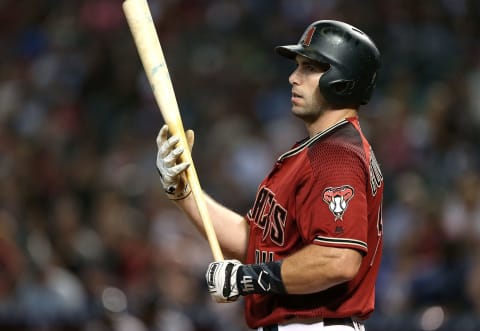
(312, 269)
(317, 268)
(231, 228)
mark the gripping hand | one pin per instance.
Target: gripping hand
(222, 280)
(172, 172)
(229, 279)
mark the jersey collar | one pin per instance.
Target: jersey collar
(308, 142)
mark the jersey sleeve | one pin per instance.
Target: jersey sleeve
(333, 198)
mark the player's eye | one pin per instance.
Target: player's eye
(309, 67)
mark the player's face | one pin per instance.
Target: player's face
(307, 102)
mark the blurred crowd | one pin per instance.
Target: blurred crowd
(89, 242)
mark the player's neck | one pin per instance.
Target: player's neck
(329, 118)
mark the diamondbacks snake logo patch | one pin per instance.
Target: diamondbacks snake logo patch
(337, 199)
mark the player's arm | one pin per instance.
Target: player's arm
(312, 269)
(316, 268)
(231, 228)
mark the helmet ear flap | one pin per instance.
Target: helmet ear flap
(343, 87)
(341, 91)
(334, 88)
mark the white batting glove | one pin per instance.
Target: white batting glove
(221, 279)
(172, 174)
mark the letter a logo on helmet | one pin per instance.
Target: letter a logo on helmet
(353, 61)
(308, 36)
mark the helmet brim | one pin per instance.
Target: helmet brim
(291, 51)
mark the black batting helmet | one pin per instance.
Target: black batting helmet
(352, 57)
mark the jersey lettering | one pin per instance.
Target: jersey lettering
(270, 216)
(376, 177)
(379, 233)
(264, 256)
(278, 225)
(260, 204)
(380, 222)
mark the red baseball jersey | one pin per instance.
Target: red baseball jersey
(327, 190)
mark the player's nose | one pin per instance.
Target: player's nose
(294, 78)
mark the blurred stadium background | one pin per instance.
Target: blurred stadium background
(87, 240)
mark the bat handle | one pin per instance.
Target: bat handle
(200, 202)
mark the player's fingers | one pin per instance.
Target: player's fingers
(164, 143)
(171, 158)
(172, 174)
(178, 169)
(167, 146)
(162, 135)
(190, 138)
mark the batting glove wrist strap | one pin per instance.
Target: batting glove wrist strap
(260, 278)
(177, 192)
(229, 279)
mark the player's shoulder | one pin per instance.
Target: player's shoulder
(342, 138)
(341, 150)
(346, 137)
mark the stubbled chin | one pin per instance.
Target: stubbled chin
(307, 117)
(298, 111)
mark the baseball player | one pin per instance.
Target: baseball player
(307, 253)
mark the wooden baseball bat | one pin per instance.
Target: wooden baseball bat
(141, 25)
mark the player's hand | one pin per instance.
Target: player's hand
(172, 173)
(221, 279)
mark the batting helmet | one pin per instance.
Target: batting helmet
(352, 57)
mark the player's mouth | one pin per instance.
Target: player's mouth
(295, 97)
